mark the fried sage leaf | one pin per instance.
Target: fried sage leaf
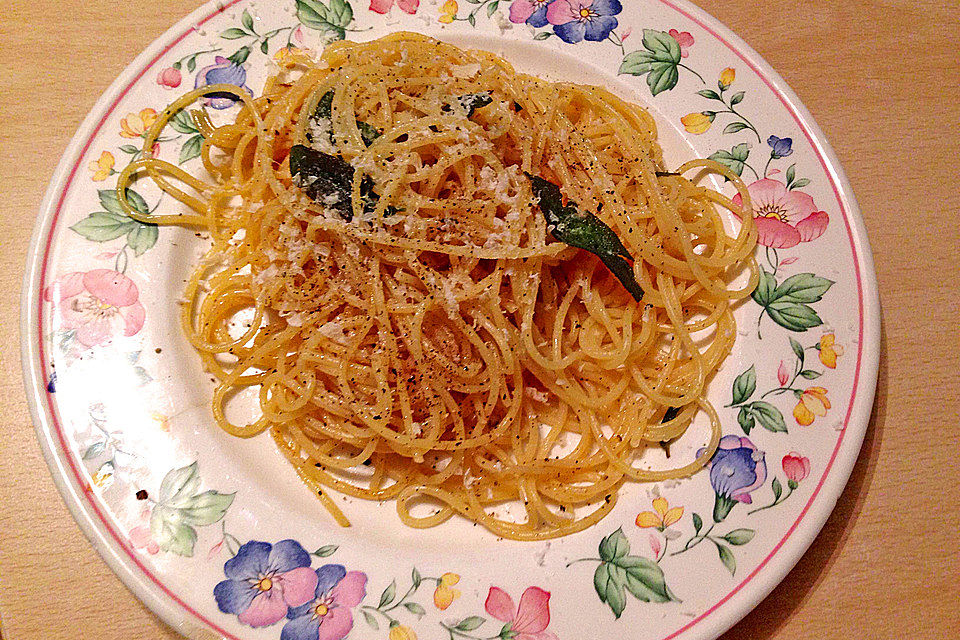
(585, 231)
(324, 110)
(328, 179)
(470, 102)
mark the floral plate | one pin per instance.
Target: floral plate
(219, 537)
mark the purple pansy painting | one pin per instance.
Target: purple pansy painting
(264, 581)
(532, 12)
(576, 20)
(328, 615)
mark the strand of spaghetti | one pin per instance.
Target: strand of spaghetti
(432, 342)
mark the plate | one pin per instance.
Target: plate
(122, 407)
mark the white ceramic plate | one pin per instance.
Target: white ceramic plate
(121, 405)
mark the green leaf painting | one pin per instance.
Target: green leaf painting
(735, 159)
(181, 507)
(113, 223)
(182, 122)
(190, 149)
(388, 594)
(331, 18)
(726, 557)
(620, 573)
(788, 303)
(471, 623)
(659, 61)
(744, 385)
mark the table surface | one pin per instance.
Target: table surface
(882, 79)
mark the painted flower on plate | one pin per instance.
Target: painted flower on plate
(264, 580)
(169, 78)
(327, 613)
(829, 350)
(684, 39)
(736, 469)
(383, 6)
(812, 403)
(797, 467)
(402, 632)
(698, 122)
(445, 594)
(98, 305)
(102, 167)
(529, 621)
(134, 125)
(661, 517)
(576, 20)
(783, 373)
(140, 538)
(780, 147)
(784, 217)
(222, 71)
(533, 12)
(448, 11)
(727, 76)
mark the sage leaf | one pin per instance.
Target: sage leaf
(585, 231)
(470, 102)
(324, 110)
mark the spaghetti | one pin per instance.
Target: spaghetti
(467, 288)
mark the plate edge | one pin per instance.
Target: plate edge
(741, 603)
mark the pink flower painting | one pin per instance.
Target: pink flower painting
(784, 217)
(99, 305)
(530, 620)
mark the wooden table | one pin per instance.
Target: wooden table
(882, 78)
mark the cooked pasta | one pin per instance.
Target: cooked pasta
(468, 290)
